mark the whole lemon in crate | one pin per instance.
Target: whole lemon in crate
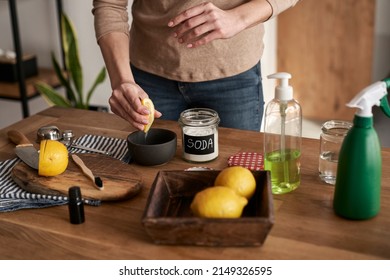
(237, 178)
(53, 158)
(218, 202)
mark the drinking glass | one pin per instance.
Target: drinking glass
(333, 133)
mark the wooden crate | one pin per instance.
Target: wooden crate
(168, 218)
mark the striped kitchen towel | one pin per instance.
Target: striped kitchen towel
(13, 197)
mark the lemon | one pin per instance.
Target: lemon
(149, 104)
(53, 158)
(218, 202)
(237, 178)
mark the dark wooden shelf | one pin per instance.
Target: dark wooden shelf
(24, 89)
(12, 91)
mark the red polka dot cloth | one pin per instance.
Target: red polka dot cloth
(251, 160)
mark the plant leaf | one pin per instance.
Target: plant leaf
(63, 80)
(74, 82)
(68, 34)
(76, 72)
(99, 79)
(72, 59)
(52, 96)
(65, 40)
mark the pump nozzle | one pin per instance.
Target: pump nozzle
(283, 91)
(370, 96)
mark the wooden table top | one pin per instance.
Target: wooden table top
(305, 224)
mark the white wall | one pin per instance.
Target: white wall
(90, 55)
(39, 32)
(268, 62)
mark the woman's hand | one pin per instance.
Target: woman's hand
(204, 23)
(125, 102)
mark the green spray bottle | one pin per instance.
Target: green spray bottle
(359, 170)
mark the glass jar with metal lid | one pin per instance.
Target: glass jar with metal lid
(199, 128)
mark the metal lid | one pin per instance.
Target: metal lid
(199, 117)
(251, 160)
(49, 133)
(67, 134)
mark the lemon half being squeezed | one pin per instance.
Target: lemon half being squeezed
(149, 104)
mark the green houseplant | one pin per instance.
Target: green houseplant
(72, 79)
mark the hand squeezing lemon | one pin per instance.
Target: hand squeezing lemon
(149, 104)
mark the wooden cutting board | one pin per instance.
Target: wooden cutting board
(120, 180)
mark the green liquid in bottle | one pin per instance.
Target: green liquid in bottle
(285, 174)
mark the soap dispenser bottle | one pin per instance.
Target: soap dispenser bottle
(282, 137)
(359, 169)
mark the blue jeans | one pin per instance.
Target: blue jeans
(238, 100)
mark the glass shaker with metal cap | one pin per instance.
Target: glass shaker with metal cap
(199, 134)
(67, 137)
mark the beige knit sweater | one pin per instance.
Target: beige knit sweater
(153, 49)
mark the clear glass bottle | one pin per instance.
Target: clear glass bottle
(199, 128)
(282, 137)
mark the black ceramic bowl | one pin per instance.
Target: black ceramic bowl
(156, 147)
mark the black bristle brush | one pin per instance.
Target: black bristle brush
(98, 183)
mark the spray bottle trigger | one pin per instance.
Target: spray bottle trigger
(385, 106)
(384, 101)
(387, 82)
